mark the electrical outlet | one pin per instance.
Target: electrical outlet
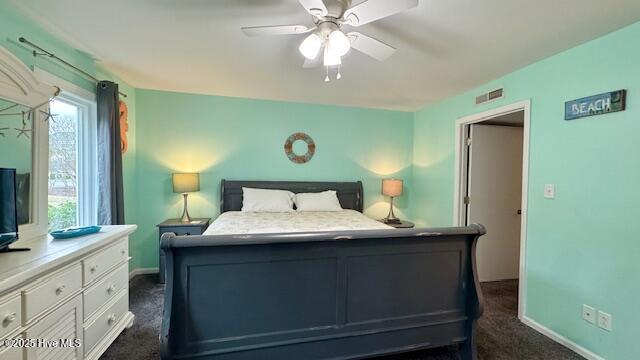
(604, 321)
(550, 191)
(589, 314)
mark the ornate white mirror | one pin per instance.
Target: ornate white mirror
(24, 139)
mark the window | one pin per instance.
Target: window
(72, 157)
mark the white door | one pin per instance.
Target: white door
(495, 195)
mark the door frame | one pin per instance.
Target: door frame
(461, 173)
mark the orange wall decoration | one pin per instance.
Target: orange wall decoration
(124, 126)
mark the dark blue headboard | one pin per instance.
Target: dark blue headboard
(350, 194)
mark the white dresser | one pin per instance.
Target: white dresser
(66, 299)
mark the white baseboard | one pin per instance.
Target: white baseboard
(588, 354)
(142, 271)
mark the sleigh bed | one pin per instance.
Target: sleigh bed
(335, 294)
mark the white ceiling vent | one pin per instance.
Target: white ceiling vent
(490, 96)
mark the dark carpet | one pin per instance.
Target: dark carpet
(500, 335)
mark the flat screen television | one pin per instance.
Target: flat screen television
(8, 208)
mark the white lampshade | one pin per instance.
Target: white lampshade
(392, 187)
(310, 47)
(339, 42)
(331, 57)
(186, 182)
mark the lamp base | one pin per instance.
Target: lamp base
(391, 221)
(391, 217)
(185, 213)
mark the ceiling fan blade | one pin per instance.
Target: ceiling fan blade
(370, 46)
(314, 7)
(310, 64)
(372, 10)
(276, 30)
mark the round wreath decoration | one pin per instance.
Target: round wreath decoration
(288, 148)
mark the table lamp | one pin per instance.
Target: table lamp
(185, 183)
(391, 188)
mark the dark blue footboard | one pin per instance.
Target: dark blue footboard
(337, 295)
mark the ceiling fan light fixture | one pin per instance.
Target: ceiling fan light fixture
(339, 42)
(317, 12)
(352, 19)
(331, 57)
(310, 47)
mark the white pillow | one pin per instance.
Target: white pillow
(264, 200)
(322, 201)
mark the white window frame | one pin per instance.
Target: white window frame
(86, 142)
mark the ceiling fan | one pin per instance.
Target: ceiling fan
(329, 17)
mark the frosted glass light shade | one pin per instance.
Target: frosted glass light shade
(310, 47)
(339, 42)
(186, 182)
(331, 57)
(392, 187)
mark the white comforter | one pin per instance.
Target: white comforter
(237, 222)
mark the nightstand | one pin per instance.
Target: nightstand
(402, 225)
(195, 227)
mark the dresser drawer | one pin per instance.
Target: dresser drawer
(12, 352)
(106, 289)
(52, 291)
(183, 230)
(64, 324)
(10, 315)
(100, 263)
(105, 321)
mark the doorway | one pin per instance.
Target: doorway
(491, 188)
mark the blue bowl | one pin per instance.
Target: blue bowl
(75, 232)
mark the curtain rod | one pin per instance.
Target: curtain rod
(64, 62)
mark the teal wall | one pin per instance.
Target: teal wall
(15, 152)
(582, 247)
(233, 138)
(14, 24)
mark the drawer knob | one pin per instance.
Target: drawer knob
(111, 319)
(60, 289)
(123, 251)
(111, 289)
(9, 318)
(93, 268)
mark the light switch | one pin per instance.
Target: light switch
(550, 191)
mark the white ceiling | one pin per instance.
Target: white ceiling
(444, 46)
